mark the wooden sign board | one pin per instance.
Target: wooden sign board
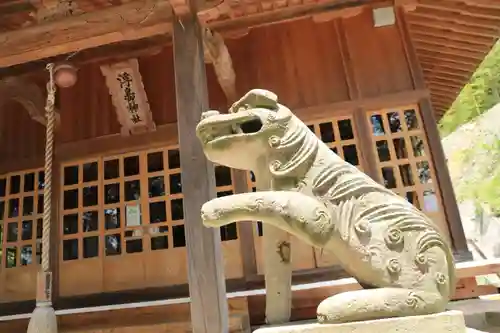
(125, 86)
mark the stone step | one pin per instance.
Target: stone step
(478, 313)
(445, 322)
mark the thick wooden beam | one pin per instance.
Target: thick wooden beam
(105, 54)
(209, 310)
(134, 20)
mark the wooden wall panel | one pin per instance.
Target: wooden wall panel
(158, 76)
(285, 58)
(378, 56)
(21, 137)
(216, 97)
(86, 108)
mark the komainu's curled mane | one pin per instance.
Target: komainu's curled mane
(377, 236)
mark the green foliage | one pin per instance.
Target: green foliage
(478, 96)
(484, 186)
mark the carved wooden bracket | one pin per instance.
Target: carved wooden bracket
(29, 95)
(217, 54)
(127, 92)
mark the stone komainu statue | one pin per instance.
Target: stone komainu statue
(389, 246)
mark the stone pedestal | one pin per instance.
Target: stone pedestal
(445, 322)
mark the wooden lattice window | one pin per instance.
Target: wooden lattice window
(403, 158)
(21, 209)
(125, 204)
(338, 133)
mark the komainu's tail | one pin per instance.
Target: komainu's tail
(378, 303)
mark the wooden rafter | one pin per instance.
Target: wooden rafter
(443, 89)
(456, 36)
(443, 15)
(442, 77)
(440, 94)
(455, 27)
(460, 7)
(465, 73)
(429, 74)
(463, 54)
(435, 57)
(441, 105)
(443, 42)
(446, 82)
(440, 102)
(438, 63)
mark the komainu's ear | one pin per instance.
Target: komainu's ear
(256, 98)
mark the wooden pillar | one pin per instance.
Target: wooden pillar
(276, 250)
(448, 198)
(209, 310)
(245, 230)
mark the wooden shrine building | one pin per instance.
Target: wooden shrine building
(371, 78)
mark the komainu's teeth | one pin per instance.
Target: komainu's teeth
(208, 138)
(236, 129)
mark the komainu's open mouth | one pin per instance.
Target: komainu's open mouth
(215, 126)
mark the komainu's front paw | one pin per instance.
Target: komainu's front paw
(210, 215)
